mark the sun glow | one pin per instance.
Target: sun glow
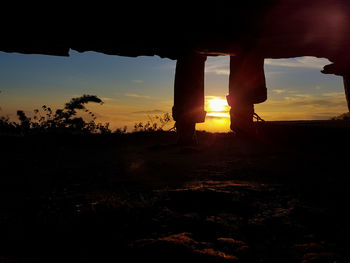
(217, 104)
(219, 114)
(217, 107)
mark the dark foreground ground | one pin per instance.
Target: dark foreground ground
(280, 197)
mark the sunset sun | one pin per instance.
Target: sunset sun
(217, 104)
(217, 107)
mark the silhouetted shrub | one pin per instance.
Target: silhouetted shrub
(344, 116)
(156, 123)
(7, 127)
(121, 130)
(66, 120)
(61, 121)
(25, 124)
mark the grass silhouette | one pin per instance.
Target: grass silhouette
(70, 119)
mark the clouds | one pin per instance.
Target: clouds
(334, 94)
(134, 95)
(298, 91)
(329, 99)
(221, 65)
(104, 99)
(300, 62)
(137, 81)
(278, 91)
(291, 98)
(292, 105)
(303, 106)
(224, 115)
(149, 112)
(218, 65)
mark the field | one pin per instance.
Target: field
(282, 196)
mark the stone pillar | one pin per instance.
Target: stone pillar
(247, 86)
(189, 96)
(346, 80)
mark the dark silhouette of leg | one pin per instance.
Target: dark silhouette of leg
(189, 96)
(247, 87)
(346, 80)
(241, 115)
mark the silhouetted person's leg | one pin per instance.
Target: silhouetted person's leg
(247, 87)
(346, 80)
(189, 96)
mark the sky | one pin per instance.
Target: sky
(135, 88)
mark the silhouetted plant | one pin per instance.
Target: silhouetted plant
(155, 123)
(344, 116)
(24, 121)
(121, 130)
(7, 127)
(62, 120)
(66, 120)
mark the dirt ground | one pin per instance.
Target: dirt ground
(280, 196)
